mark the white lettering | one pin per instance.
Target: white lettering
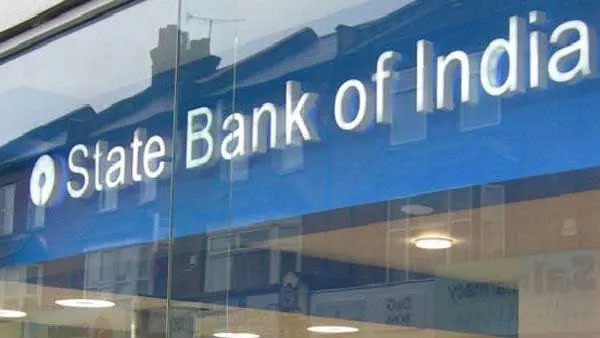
(259, 133)
(139, 136)
(383, 84)
(424, 76)
(115, 175)
(362, 118)
(82, 189)
(446, 66)
(538, 52)
(154, 150)
(514, 48)
(583, 49)
(298, 127)
(236, 142)
(196, 135)
(99, 151)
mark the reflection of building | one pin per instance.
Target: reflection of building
(22, 288)
(247, 266)
(20, 99)
(163, 56)
(7, 209)
(113, 263)
(251, 265)
(120, 271)
(334, 257)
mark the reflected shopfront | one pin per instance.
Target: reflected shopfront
(246, 169)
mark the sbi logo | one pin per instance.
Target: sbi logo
(43, 184)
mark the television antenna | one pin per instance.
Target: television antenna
(211, 21)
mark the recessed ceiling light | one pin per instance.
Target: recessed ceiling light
(416, 209)
(332, 329)
(85, 303)
(12, 314)
(433, 242)
(235, 335)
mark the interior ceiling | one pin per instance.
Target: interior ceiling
(215, 318)
(552, 227)
(493, 243)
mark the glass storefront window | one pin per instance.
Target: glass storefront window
(375, 168)
(94, 266)
(341, 168)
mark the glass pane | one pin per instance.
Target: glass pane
(79, 255)
(380, 168)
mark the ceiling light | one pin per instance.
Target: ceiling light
(235, 335)
(433, 242)
(332, 329)
(85, 303)
(416, 209)
(12, 314)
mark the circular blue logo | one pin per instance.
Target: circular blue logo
(43, 184)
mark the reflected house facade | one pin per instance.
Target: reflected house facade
(227, 241)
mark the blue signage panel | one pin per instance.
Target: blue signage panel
(407, 108)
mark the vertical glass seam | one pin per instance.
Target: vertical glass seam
(173, 169)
